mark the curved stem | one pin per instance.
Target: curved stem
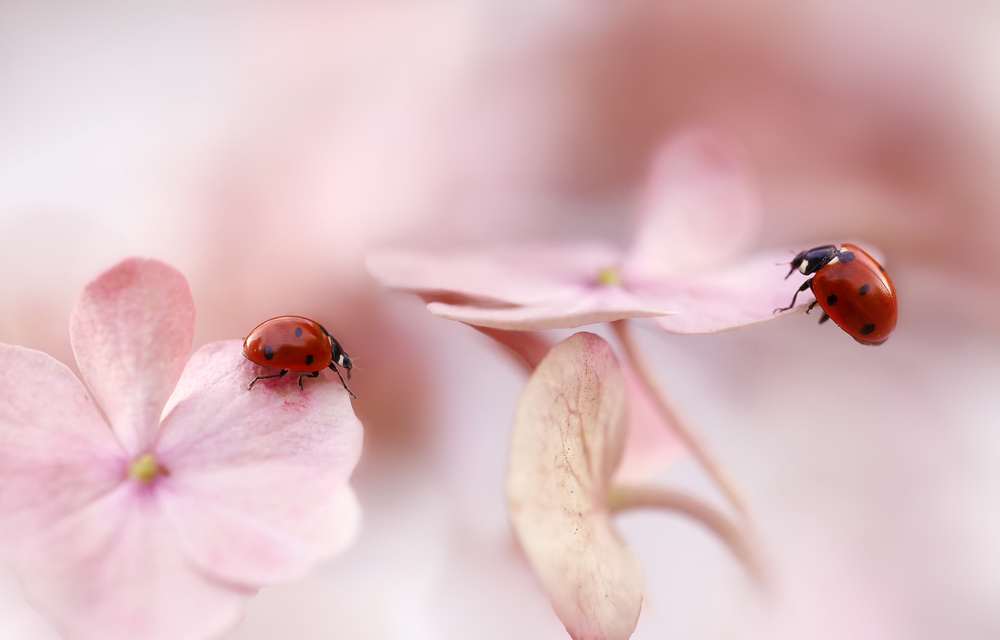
(687, 435)
(633, 497)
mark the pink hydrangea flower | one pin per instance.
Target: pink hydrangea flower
(684, 269)
(699, 212)
(154, 501)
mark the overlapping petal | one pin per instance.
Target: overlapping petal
(55, 457)
(729, 298)
(257, 485)
(131, 333)
(567, 441)
(498, 276)
(115, 571)
(700, 211)
(595, 305)
(700, 208)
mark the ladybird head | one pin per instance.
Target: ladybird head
(340, 357)
(812, 260)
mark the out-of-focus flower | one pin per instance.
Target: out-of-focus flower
(154, 501)
(568, 438)
(699, 211)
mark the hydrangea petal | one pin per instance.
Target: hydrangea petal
(699, 210)
(735, 297)
(132, 332)
(511, 275)
(115, 570)
(267, 466)
(57, 453)
(236, 544)
(650, 444)
(587, 306)
(567, 441)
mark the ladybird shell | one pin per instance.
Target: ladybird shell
(295, 343)
(858, 295)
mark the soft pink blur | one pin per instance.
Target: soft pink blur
(264, 149)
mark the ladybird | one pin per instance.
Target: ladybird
(294, 343)
(851, 287)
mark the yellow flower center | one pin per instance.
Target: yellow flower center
(144, 468)
(609, 277)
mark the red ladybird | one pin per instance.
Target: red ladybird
(294, 343)
(852, 288)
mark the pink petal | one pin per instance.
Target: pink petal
(57, 454)
(567, 441)
(131, 332)
(257, 483)
(115, 570)
(577, 308)
(510, 275)
(700, 209)
(650, 444)
(738, 296)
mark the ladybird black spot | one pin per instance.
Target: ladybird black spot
(298, 332)
(309, 359)
(864, 289)
(268, 351)
(831, 300)
(847, 256)
(868, 328)
(880, 268)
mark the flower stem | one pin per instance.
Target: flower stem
(631, 497)
(686, 434)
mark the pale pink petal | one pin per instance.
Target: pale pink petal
(700, 209)
(257, 483)
(57, 453)
(115, 570)
(585, 306)
(261, 540)
(511, 275)
(741, 295)
(567, 441)
(650, 443)
(131, 332)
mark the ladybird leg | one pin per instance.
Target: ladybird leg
(811, 305)
(824, 318)
(337, 371)
(277, 375)
(314, 374)
(805, 285)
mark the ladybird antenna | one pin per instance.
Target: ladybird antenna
(354, 365)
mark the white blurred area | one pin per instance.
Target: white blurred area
(263, 148)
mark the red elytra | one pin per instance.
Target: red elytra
(852, 288)
(295, 343)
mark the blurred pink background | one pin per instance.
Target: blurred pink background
(264, 148)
